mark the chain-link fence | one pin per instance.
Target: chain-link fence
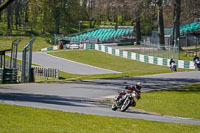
(150, 49)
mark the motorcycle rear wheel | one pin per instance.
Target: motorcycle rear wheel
(125, 106)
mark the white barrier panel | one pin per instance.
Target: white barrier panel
(109, 50)
(133, 56)
(141, 58)
(103, 48)
(117, 52)
(151, 59)
(125, 54)
(181, 64)
(54, 47)
(160, 61)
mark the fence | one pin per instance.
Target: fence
(39, 71)
(46, 72)
(150, 49)
(144, 58)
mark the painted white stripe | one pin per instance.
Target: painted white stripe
(180, 64)
(125, 54)
(133, 56)
(103, 48)
(141, 58)
(109, 50)
(151, 59)
(192, 65)
(54, 47)
(84, 46)
(117, 52)
(168, 60)
(96, 47)
(160, 61)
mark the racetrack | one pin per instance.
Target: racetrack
(83, 97)
(46, 60)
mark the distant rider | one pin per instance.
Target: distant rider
(171, 61)
(195, 59)
(130, 89)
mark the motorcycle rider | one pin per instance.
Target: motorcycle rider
(130, 89)
(195, 59)
(171, 61)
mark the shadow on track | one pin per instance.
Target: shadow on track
(148, 84)
(47, 99)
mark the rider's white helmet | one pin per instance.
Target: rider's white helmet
(138, 86)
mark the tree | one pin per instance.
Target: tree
(9, 19)
(5, 4)
(33, 12)
(0, 12)
(176, 22)
(161, 23)
(137, 8)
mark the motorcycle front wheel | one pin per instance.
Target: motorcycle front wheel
(114, 106)
(125, 105)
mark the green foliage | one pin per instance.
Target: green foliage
(39, 43)
(146, 24)
(24, 119)
(53, 16)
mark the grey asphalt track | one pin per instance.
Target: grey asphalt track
(46, 60)
(83, 97)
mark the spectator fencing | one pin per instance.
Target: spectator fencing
(38, 71)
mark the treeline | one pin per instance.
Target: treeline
(41, 16)
(63, 16)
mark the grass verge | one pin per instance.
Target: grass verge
(183, 101)
(127, 67)
(39, 43)
(24, 119)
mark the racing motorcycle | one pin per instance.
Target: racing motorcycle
(124, 102)
(173, 66)
(197, 64)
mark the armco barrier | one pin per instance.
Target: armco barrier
(144, 58)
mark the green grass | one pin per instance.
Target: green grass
(24, 119)
(189, 57)
(128, 67)
(39, 43)
(183, 102)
